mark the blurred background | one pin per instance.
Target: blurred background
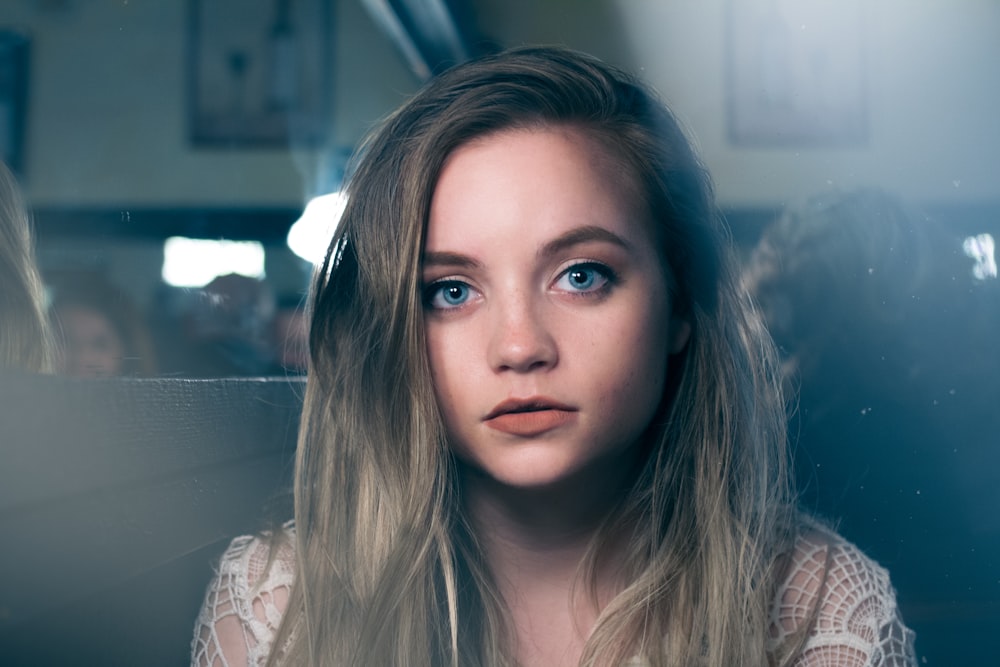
(182, 159)
(164, 144)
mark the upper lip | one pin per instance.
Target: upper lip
(532, 404)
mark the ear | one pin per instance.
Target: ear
(678, 334)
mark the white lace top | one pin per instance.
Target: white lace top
(858, 623)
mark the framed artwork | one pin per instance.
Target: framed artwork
(795, 73)
(259, 72)
(14, 49)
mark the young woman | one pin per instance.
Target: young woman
(542, 426)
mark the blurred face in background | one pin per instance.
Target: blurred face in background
(91, 345)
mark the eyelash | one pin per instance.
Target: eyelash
(605, 272)
(437, 287)
(607, 277)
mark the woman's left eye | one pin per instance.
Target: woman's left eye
(587, 277)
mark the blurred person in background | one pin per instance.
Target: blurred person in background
(888, 337)
(843, 277)
(227, 328)
(25, 340)
(101, 331)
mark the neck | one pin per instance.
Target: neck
(534, 542)
(539, 534)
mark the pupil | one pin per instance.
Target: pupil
(455, 293)
(579, 277)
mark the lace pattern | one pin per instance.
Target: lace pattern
(244, 603)
(857, 622)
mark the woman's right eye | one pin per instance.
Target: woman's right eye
(447, 294)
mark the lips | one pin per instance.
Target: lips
(529, 417)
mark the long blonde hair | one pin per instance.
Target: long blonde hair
(389, 571)
(25, 340)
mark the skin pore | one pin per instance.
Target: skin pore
(549, 327)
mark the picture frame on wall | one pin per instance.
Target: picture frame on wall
(259, 73)
(795, 74)
(14, 61)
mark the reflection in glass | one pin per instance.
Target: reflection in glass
(980, 249)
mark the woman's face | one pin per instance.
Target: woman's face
(92, 346)
(548, 312)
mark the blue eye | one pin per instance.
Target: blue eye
(447, 294)
(588, 277)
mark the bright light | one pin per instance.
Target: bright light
(310, 236)
(196, 262)
(980, 248)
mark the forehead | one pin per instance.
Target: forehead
(596, 148)
(548, 167)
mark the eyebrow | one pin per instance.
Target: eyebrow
(579, 235)
(587, 234)
(451, 259)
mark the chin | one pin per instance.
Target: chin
(539, 471)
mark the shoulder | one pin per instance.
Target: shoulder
(842, 606)
(246, 600)
(256, 562)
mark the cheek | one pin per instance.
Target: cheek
(436, 360)
(633, 367)
(444, 356)
(650, 356)
(452, 387)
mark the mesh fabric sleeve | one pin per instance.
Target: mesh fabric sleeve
(244, 603)
(857, 622)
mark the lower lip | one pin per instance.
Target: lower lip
(528, 424)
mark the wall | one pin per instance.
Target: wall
(107, 116)
(108, 124)
(929, 75)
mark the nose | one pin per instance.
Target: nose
(521, 340)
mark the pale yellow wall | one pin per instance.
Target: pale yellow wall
(593, 26)
(932, 87)
(931, 77)
(108, 123)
